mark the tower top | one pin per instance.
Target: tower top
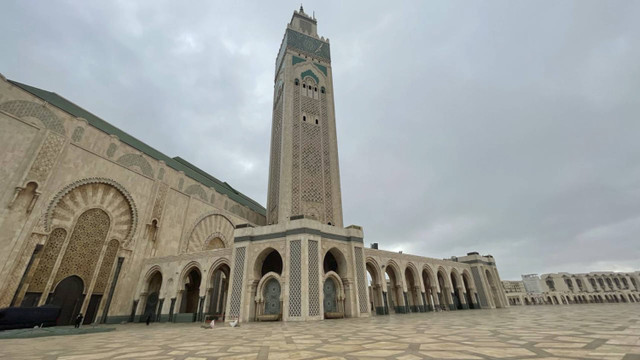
(304, 23)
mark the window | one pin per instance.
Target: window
(304, 118)
(322, 89)
(315, 89)
(297, 82)
(316, 121)
(304, 86)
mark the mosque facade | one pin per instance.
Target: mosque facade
(598, 287)
(99, 223)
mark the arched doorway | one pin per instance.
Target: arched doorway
(394, 290)
(191, 292)
(334, 265)
(68, 295)
(466, 280)
(219, 287)
(457, 301)
(330, 296)
(413, 301)
(272, 297)
(268, 269)
(375, 289)
(429, 286)
(153, 296)
(443, 294)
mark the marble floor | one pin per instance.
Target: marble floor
(599, 331)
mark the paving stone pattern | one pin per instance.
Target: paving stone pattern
(598, 331)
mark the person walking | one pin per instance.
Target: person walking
(78, 320)
(148, 319)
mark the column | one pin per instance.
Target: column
(173, 304)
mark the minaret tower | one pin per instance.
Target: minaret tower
(304, 177)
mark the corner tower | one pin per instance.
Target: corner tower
(304, 177)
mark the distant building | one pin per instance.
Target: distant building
(565, 288)
(532, 283)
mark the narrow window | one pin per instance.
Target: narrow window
(315, 89)
(304, 118)
(316, 121)
(304, 86)
(322, 89)
(297, 82)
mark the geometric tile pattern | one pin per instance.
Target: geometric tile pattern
(236, 290)
(23, 108)
(295, 282)
(314, 293)
(295, 154)
(609, 331)
(362, 287)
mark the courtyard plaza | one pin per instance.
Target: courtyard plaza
(597, 331)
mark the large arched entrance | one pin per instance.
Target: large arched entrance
(430, 289)
(455, 291)
(375, 289)
(413, 290)
(272, 297)
(334, 298)
(268, 302)
(443, 294)
(469, 292)
(152, 298)
(191, 292)
(68, 295)
(217, 292)
(394, 290)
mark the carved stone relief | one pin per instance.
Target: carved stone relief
(23, 108)
(94, 192)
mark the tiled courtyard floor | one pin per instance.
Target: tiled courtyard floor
(600, 331)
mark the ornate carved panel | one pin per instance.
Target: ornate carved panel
(326, 159)
(238, 279)
(314, 295)
(77, 134)
(46, 157)
(94, 192)
(196, 189)
(362, 285)
(105, 268)
(208, 227)
(111, 150)
(136, 161)
(295, 155)
(47, 260)
(276, 143)
(23, 108)
(158, 205)
(295, 283)
(85, 245)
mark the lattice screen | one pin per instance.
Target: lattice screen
(295, 282)
(314, 293)
(276, 141)
(295, 154)
(362, 285)
(236, 290)
(328, 201)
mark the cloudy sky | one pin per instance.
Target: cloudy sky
(510, 128)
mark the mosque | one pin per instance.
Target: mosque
(99, 223)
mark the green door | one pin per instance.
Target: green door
(272, 297)
(330, 303)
